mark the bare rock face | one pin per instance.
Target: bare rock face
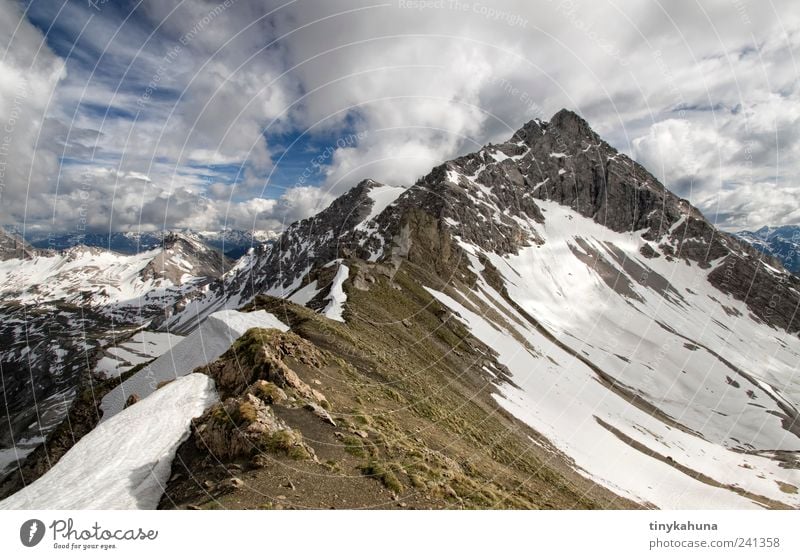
(772, 297)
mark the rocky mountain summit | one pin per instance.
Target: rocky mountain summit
(489, 199)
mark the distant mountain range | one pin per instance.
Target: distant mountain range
(781, 242)
(232, 242)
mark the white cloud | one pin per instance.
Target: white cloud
(29, 73)
(706, 96)
(682, 154)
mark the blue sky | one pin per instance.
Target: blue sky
(207, 114)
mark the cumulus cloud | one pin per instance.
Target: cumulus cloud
(29, 74)
(223, 106)
(683, 155)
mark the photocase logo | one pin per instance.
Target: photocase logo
(31, 532)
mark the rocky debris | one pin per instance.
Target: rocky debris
(267, 391)
(235, 483)
(244, 427)
(132, 399)
(363, 280)
(320, 412)
(237, 427)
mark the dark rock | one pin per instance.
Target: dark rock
(648, 251)
(132, 399)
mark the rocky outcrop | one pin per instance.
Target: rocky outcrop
(257, 359)
(253, 379)
(242, 427)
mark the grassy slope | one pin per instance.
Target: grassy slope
(416, 424)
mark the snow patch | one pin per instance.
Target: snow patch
(337, 295)
(303, 295)
(125, 462)
(382, 197)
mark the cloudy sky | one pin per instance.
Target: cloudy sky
(121, 115)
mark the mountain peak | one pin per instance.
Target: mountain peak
(566, 124)
(571, 124)
(566, 115)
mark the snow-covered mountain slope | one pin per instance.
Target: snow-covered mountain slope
(657, 352)
(638, 337)
(100, 278)
(281, 268)
(140, 348)
(125, 462)
(204, 345)
(653, 376)
(781, 242)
